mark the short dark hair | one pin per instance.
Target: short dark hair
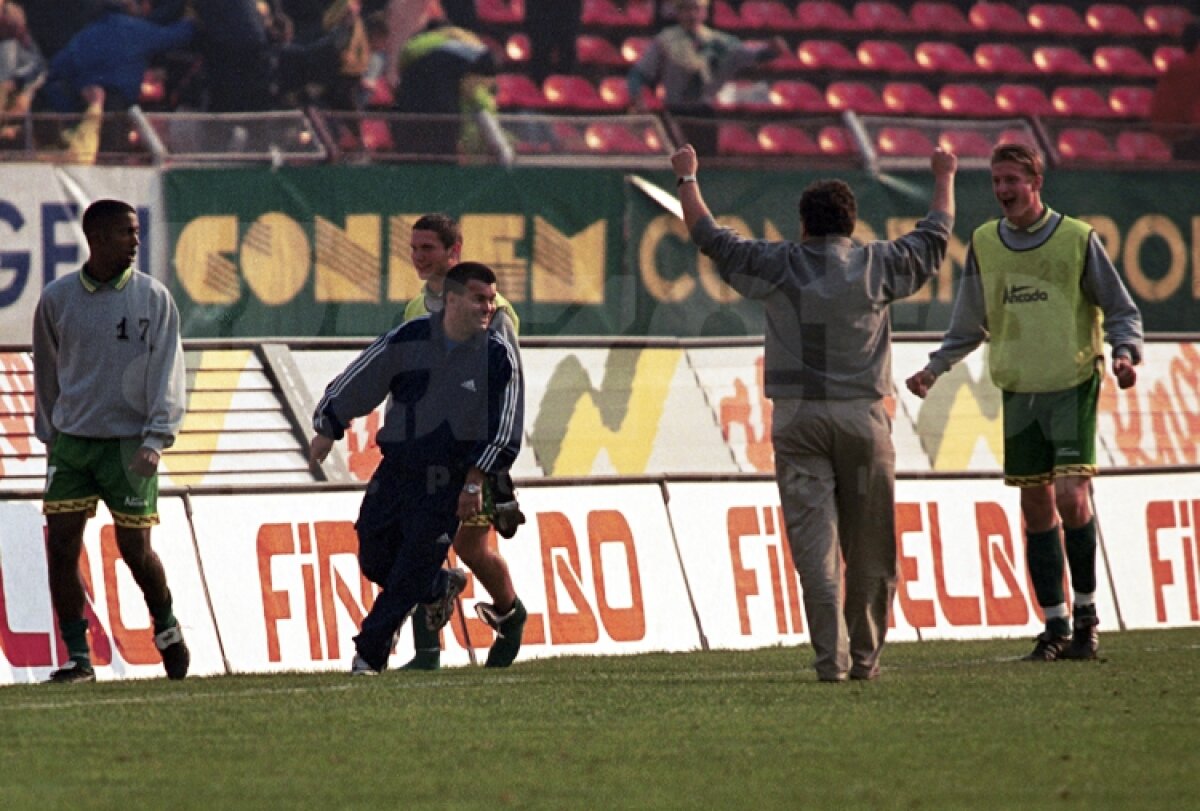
(445, 226)
(463, 272)
(828, 208)
(1022, 154)
(103, 213)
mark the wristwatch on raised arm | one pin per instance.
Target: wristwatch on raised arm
(685, 179)
(472, 489)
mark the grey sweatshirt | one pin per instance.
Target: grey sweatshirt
(108, 360)
(828, 333)
(1100, 281)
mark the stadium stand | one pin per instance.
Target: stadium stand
(969, 60)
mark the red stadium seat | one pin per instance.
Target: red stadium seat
(1123, 61)
(796, 95)
(969, 100)
(517, 91)
(856, 96)
(725, 16)
(1080, 102)
(903, 142)
(1019, 136)
(154, 87)
(787, 62)
(937, 16)
(516, 48)
(616, 139)
(1115, 20)
(1166, 55)
(1129, 101)
(835, 141)
(595, 50)
(785, 139)
(824, 15)
(910, 98)
(827, 54)
(998, 18)
(1142, 146)
(882, 15)
(376, 135)
(735, 139)
(1084, 144)
(606, 13)
(770, 15)
(1003, 58)
(745, 95)
(1057, 19)
(885, 56)
(1023, 99)
(633, 48)
(944, 57)
(565, 92)
(615, 92)
(501, 12)
(1062, 60)
(1166, 20)
(965, 143)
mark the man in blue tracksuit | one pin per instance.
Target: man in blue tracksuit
(455, 416)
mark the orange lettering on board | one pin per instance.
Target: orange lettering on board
(991, 522)
(622, 624)
(920, 612)
(308, 579)
(21, 648)
(958, 610)
(736, 410)
(339, 538)
(792, 579)
(777, 572)
(1174, 419)
(1169, 515)
(558, 542)
(135, 644)
(273, 539)
(363, 449)
(16, 406)
(740, 522)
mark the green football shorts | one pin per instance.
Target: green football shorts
(81, 471)
(1049, 434)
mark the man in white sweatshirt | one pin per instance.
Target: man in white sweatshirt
(109, 387)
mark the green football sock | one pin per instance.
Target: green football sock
(1044, 555)
(425, 641)
(74, 634)
(1081, 556)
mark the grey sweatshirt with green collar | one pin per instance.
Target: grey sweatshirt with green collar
(108, 360)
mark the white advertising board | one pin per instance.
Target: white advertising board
(40, 236)
(122, 641)
(1151, 528)
(595, 567)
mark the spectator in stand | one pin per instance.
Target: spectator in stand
(378, 33)
(22, 68)
(444, 73)
(1176, 102)
(237, 57)
(552, 26)
(113, 53)
(692, 61)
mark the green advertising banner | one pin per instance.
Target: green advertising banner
(1149, 224)
(323, 251)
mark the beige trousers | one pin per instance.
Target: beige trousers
(835, 466)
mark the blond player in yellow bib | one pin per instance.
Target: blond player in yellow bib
(436, 245)
(1040, 288)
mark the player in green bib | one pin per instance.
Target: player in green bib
(1039, 286)
(436, 245)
